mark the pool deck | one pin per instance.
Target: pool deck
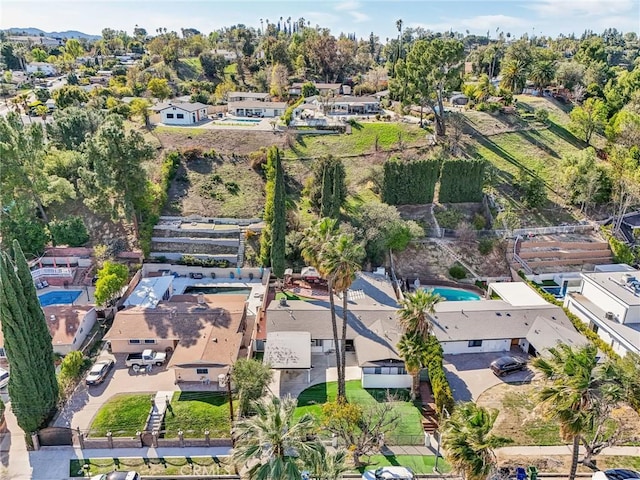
(87, 297)
(254, 298)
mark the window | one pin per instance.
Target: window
(202, 371)
(369, 370)
(179, 115)
(316, 342)
(2, 353)
(149, 341)
(169, 115)
(475, 343)
(378, 370)
(134, 341)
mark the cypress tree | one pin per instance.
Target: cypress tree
(327, 190)
(265, 237)
(33, 386)
(279, 222)
(338, 190)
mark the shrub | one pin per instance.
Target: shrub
(622, 253)
(486, 246)
(541, 115)
(439, 384)
(190, 154)
(71, 232)
(458, 272)
(479, 222)
(482, 107)
(288, 114)
(72, 364)
(449, 218)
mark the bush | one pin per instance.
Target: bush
(449, 218)
(71, 232)
(72, 364)
(288, 114)
(486, 246)
(479, 222)
(439, 384)
(191, 154)
(541, 115)
(622, 253)
(458, 272)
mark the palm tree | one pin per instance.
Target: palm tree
(576, 389)
(341, 261)
(399, 23)
(415, 309)
(514, 76)
(468, 443)
(413, 349)
(269, 444)
(324, 465)
(542, 73)
(484, 88)
(316, 241)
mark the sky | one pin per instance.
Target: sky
(535, 17)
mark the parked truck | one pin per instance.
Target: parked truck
(147, 357)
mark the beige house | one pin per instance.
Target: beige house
(204, 333)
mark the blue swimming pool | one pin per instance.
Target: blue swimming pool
(59, 297)
(555, 291)
(455, 294)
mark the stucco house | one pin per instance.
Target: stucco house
(248, 97)
(203, 333)
(295, 89)
(609, 302)
(254, 108)
(49, 69)
(181, 113)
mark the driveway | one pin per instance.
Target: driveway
(86, 401)
(469, 374)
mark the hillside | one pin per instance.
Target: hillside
(63, 34)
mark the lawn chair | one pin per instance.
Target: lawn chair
(45, 284)
(39, 286)
(521, 473)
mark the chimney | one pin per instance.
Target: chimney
(201, 298)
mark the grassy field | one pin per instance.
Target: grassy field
(195, 412)
(408, 428)
(361, 141)
(418, 463)
(175, 466)
(123, 415)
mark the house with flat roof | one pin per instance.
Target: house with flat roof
(258, 109)
(247, 97)
(295, 89)
(150, 291)
(340, 105)
(202, 333)
(181, 113)
(49, 69)
(609, 302)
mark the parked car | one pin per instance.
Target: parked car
(389, 473)
(507, 364)
(616, 474)
(99, 372)
(4, 378)
(117, 476)
(147, 357)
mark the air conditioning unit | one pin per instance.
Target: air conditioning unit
(609, 316)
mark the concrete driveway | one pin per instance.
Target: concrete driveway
(86, 401)
(469, 374)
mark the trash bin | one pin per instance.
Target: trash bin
(533, 472)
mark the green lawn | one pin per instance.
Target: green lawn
(174, 466)
(408, 431)
(123, 415)
(418, 463)
(361, 140)
(195, 412)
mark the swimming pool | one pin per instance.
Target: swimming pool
(555, 291)
(454, 294)
(240, 120)
(218, 290)
(59, 297)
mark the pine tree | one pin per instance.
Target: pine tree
(279, 222)
(33, 386)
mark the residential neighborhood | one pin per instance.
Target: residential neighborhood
(269, 241)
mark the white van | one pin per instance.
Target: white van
(4, 378)
(389, 473)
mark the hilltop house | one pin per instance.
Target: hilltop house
(609, 302)
(256, 108)
(49, 69)
(181, 113)
(248, 97)
(295, 90)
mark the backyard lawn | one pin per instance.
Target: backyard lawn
(123, 415)
(418, 463)
(174, 466)
(195, 412)
(408, 431)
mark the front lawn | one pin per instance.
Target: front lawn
(195, 412)
(408, 431)
(418, 463)
(174, 466)
(123, 416)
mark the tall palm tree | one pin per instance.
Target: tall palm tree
(341, 261)
(468, 443)
(316, 240)
(399, 24)
(575, 391)
(324, 465)
(415, 309)
(542, 73)
(413, 349)
(268, 445)
(514, 75)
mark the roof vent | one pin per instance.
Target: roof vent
(201, 298)
(214, 340)
(498, 314)
(52, 318)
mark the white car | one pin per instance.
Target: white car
(616, 474)
(4, 378)
(389, 473)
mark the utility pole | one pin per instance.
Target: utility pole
(230, 396)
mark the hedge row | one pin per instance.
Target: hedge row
(409, 182)
(579, 325)
(439, 384)
(461, 180)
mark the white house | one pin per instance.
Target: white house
(180, 113)
(49, 69)
(248, 97)
(609, 302)
(33, 40)
(228, 55)
(340, 105)
(253, 108)
(323, 88)
(69, 326)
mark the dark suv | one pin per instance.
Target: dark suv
(507, 364)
